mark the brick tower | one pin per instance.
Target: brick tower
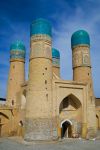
(80, 43)
(16, 72)
(38, 122)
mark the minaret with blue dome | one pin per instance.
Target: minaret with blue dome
(38, 120)
(80, 37)
(80, 43)
(56, 61)
(16, 72)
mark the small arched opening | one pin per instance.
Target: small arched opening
(66, 129)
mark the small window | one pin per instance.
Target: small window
(12, 102)
(46, 68)
(21, 123)
(45, 81)
(88, 74)
(43, 73)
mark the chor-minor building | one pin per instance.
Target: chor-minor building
(46, 107)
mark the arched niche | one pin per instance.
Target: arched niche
(69, 103)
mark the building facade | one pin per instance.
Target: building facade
(46, 107)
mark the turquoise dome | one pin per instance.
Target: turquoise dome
(80, 37)
(40, 26)
(17, 45)
(17, 50)
(55, 53)
(55, 57)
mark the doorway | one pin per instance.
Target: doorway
(66, 130)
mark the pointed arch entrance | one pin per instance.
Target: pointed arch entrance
(71, 108)
(66, 129)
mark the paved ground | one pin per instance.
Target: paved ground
(66, 144)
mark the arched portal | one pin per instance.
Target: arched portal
(66, 129)
(71, 108)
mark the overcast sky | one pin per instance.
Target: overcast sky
(66, 16)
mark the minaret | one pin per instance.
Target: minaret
(56, 61)
(16, 72)
(80, 43)
(38, 124)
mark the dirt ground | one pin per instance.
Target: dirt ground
(16, 143)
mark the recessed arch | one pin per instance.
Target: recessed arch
(70, 102)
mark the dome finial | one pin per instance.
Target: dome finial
(80, 37)
(17, 45)
(40, 26)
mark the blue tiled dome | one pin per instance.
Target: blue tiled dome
(55, 53)
(17, 45)
(17, 50)
(40, 26)
(80, 37)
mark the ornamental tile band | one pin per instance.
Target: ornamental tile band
(17, 50)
